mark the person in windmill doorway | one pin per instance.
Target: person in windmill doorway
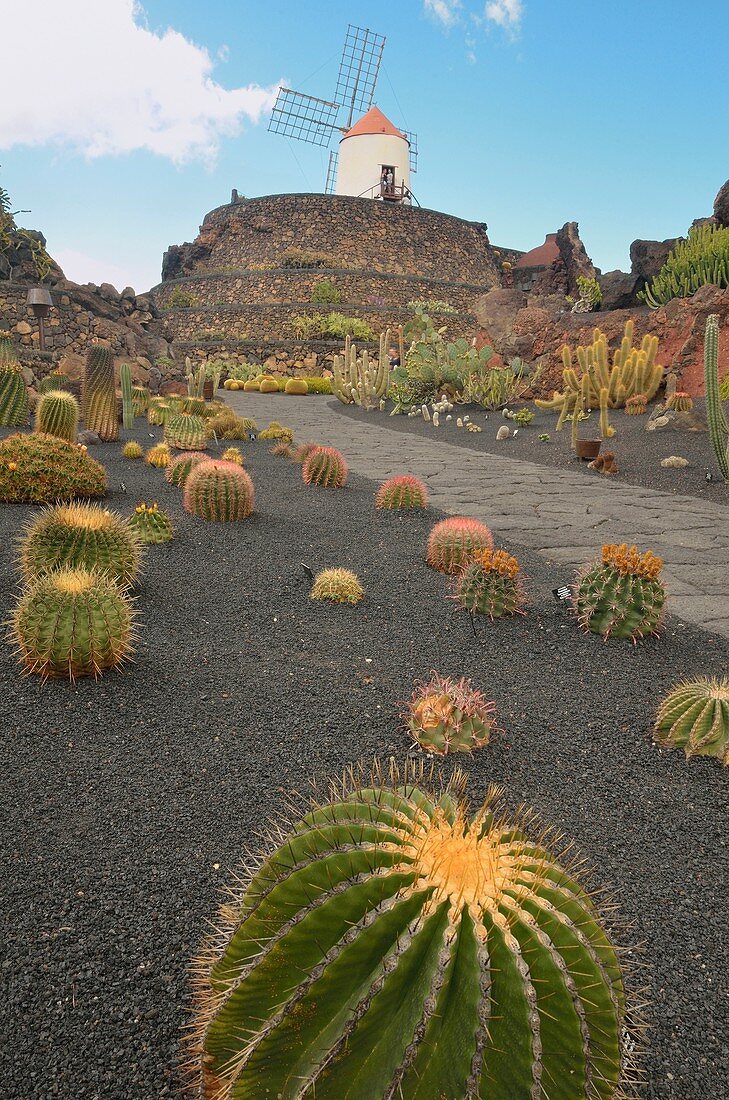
(387, 182)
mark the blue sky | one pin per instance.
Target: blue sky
(529, 113)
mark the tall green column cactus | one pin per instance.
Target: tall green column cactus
(715, 418)
(13, 391)
(99, 394)
(394, 946)
(125, 378)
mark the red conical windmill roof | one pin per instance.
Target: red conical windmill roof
(374, 122)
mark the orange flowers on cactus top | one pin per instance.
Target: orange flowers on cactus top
(496, 561)
(430, 711)
(629, 561)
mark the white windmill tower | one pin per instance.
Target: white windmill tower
(375, 159)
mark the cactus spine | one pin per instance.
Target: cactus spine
(57, 414)
(715, 418)
(357, 380)
(13, 391)
(389, 903)
(125, 378)
(99, 394)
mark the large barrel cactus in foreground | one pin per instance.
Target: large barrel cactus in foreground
(393, 946)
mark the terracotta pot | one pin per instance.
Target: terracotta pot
(587, 449)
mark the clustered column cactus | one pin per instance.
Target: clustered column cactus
(357, 380)
(393, 945)
(99, 394)
(13, 391)
(57, 414)
(716, 420)
(620, 596)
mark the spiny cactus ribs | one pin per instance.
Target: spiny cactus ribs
(402, 492)
(452, 542)
(57, 414)
(186, 432)
(621, 595)
(38, 469)
(150, 524)
(694, 716)
(179, 468)
(449, 716)
(220, 491)
(99, 394)
(73, 623)
(86, 536)
(326, 467)
(13, 391)
(388, 903)
(490, 584)
(140, 399)
(680, 401)
(337, 586)
(300, 454)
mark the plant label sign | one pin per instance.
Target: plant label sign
(563, 592)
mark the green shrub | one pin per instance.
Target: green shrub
(325, 292)
(431, 305)
(319, 385)
(179, 298)
(700, 259)
(323, 325)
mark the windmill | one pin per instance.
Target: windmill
(317, 122)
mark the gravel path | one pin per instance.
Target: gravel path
(565, 514)
(125, 803)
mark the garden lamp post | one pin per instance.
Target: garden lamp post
(40, 301)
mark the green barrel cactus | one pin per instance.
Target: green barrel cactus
(221, 491)
(394, 946)
(85, 536)
(447, 715)
(186, 432)
(13, 391)
(194, 405)
(179, 468)
(694, 716)
(56, 380)
(150, 524)
(73, 623)
(99, 394)
(157, 412)
(490, 584)
(140, 400)
(337, 586)
(452, 542)
(324, 466)
(57, 414)
(620, 596)
(402, 492)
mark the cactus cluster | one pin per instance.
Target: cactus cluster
(620, 596)
(13, 391)
(277, 431)
(132, 449)
(490, 584)
(150, 524)
(228, 425)
(80, 536)
(359, 380)
(394, 945)
(447, 715)
(337, 586)
(180, 466)
(703, 257)
(186, 432)
(694, 716)
(99, 394)
(325, 466)
(158, 456)
(57, 414)
(220, 491)
(452, 541)
(402, 492)
(40, 469)
(73, 623)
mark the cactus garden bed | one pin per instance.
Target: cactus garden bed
(126, 802)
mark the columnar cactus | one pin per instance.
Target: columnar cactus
(150, 524)
(125, 380)
(217, 490)
(186, 432)
(620, 596)
(158, 456)
(449, 716)
(694, 716)
(179, 468)
(325, 466)
(57, 414)
(337, 586)
(39, 469)
(452, 542)
(490, 584)
(393, 945)
(73, 623)
(13, 391)
(402, 492)
(99, 394)
(715, 418)
(85, 536)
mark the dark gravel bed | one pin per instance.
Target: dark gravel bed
(124, 803)
(638, 452)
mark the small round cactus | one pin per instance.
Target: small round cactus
(158, 456)
(39, 469)
(636, 405)
(186, 432)
(73, 623)
(56, 380)
(297, 386)
(84, 536)
(680, 401)
(194, 405)
(233, 454)
(694, 716)
(620, 596)
(337, 586)
(402, 492)
(449, 716)
(325, 466)
(452, 542)
(490, 584)
(180, 466)
(57, 414)
(268, 385)
(151, 525)
(132, 449)
(282, 450)
(219, 491)
(393, 945)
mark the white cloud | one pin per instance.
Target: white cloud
(505, 13)
(99, 80)
(445, 11)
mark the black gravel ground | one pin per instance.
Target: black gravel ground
(124, 803)
(637, 451)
